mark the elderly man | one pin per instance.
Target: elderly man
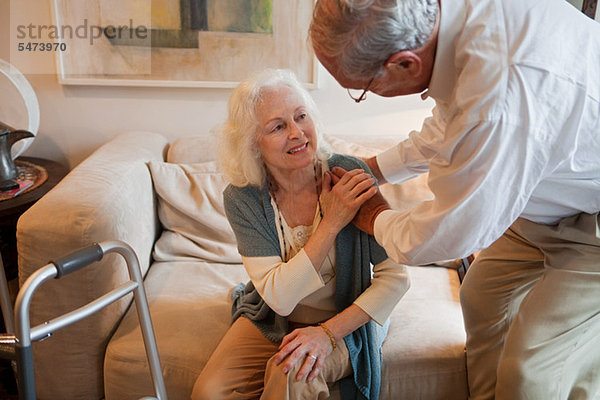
(513, 155)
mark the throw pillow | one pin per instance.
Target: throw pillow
(190, 209)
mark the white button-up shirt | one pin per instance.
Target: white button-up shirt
(515, 131)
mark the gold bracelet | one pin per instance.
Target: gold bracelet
(328, 332)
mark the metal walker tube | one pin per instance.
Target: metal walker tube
(143, 311)
(56, 269)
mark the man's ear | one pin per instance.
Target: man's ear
(405, 62)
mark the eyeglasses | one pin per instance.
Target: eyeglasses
(364, 93)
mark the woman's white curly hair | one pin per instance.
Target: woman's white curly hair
(238, 156)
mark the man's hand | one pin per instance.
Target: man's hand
(368, 212)
(374, 166)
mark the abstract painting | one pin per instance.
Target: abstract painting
(203, 43)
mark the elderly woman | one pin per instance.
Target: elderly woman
(315, 310)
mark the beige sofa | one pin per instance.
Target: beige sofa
(171, 214)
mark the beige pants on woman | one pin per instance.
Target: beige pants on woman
(241, 368)
(531, 304)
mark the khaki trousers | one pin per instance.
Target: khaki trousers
(241, 368)
(531, 304)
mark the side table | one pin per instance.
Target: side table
(11, 210)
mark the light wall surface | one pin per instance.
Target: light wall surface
(75, 120)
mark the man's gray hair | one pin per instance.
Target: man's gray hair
(238, 156)
(362, 34)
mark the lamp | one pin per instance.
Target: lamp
(13, 142)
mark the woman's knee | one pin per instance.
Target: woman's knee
(273, 369)
(206, 388)
(277, 382)
(274, 374)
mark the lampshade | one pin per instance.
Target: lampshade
(31, 104)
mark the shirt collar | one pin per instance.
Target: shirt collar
(444, 76)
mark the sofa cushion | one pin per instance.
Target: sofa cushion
(190, 209)
(424, 350)
(193, 149)
(190, 308)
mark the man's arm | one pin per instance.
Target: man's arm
(410, 158)
(481, 177)
(374, 166)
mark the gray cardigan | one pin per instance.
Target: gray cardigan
(252, 218)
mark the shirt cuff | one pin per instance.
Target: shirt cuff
(387, 237)
(390, 282)
(380, 226)
(391, 166)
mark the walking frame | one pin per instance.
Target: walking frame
(16, 344)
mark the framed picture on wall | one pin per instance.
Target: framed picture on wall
(180, 43)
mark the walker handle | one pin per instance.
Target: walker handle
(77, 260)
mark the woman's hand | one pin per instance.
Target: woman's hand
(341, 201)
(370, 208)
(309, 345)
(339, 204)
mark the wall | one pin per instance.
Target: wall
(75, 120)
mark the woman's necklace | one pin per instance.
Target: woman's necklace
(272, 188)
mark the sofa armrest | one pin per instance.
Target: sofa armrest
(109, 196)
